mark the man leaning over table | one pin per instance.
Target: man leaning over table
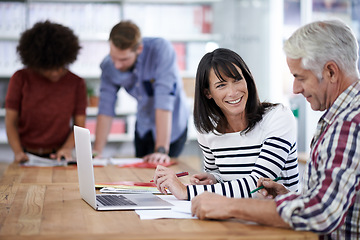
(323, 58)
(147, 69)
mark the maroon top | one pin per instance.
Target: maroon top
(45, 108)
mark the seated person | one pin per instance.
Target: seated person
(323, 58)
(44, 99)
(242, 139)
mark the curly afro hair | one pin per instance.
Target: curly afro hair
(48, 46)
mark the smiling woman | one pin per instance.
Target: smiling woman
(226, 68)
(230, 95)
(242, 139)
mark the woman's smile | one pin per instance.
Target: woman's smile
(234, 101)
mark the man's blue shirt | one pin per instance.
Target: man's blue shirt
(154, 82)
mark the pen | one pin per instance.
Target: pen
(261, 187)
(180, 174)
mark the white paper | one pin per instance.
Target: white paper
(35, 161)
(100, 162)
(128, 190)
(125, 161)
(180, 210)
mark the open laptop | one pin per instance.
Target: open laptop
(106, 201)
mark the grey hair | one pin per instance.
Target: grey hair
(322, 41)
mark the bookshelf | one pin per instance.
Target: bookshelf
(184, 23)
(187, 24)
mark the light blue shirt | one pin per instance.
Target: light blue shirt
(154, 82)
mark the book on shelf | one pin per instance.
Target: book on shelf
(172, 19)
(180, 49)
(118, 126)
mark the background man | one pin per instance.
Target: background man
(147, 69)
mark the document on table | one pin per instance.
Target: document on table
(125, 161)
(129, 189)
(35, 161)
(137, 163)
(180, 210)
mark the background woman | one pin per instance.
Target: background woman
(45, 98)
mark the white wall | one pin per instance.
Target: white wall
(253, 29)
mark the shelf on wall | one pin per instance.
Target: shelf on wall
(92, 112)
(111, 138)
(171, 1)
(124, 137)
(194, 30)
(194, 23)
(9, 38)
(128, 1)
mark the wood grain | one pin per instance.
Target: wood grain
(45, 203)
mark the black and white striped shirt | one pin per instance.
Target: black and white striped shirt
(238, 160)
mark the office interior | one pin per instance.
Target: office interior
(255, 29)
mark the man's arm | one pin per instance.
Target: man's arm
(163, 121)
(163, 128)
(212, 206)
(103, 126)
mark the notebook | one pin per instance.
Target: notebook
(106, 201)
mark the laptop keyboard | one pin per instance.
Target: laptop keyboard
(114, 200)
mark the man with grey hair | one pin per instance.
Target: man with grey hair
(323, 58)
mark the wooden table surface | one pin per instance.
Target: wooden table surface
(45, 203)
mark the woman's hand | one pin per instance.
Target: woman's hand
(20, 157)
(62, 153)
(203, 179)
(165, 178)
(271, 189)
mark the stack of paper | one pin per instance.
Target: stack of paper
(100, 162)
(127, 187)
(137, 163)
(35, 161)
(120, 162)
(181, 209)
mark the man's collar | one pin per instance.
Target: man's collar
(341, 102)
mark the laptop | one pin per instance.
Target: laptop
(101, 202)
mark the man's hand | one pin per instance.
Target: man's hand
(96, 154)
(271, 189)
(203, 179)
(157, 158)
(211, 206)
(165, 178)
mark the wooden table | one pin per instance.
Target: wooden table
(45, 203)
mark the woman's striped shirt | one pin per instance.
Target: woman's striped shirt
(238, 160)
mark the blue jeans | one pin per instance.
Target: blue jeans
(146, 144)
